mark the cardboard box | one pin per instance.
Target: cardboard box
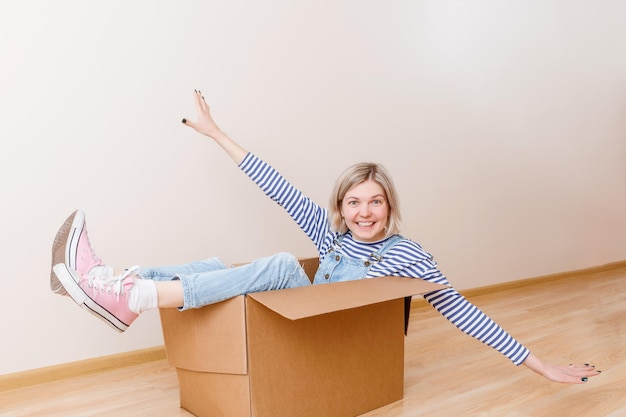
(331, 350)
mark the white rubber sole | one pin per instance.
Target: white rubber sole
(69, 280)
(64, 247)
(71, 249)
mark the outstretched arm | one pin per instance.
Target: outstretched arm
(571, 374)
(471, 320)
(207, 126)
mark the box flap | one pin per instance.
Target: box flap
(310, 266)
(302, 302)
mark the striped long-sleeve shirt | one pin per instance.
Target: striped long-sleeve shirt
(405, 259)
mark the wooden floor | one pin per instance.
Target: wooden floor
(579, 319)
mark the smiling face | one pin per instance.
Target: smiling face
(365, 211)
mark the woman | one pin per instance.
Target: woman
(357, 237)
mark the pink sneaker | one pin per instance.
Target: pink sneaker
(71, 246)
(105, 297)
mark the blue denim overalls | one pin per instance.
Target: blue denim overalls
(337, 267)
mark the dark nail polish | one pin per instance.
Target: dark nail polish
(184, 120)
(584, 379)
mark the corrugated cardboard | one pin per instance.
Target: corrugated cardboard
(332, 350)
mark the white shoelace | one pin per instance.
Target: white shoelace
(101, 279)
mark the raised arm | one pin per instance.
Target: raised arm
(207, 126)
(311, 218)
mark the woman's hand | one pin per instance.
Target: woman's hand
(207, 126)
(571, 374)
(205, 123)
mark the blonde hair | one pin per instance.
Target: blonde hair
(355, 175)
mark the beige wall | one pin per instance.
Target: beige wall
(502, 122)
